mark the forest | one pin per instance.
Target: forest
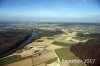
(89, 50)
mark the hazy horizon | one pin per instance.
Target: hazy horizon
(50, 10)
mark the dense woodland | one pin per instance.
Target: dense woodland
(11, 38)
(91, 35)
(88, 50)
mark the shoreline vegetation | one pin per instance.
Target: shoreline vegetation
(12, 47)
(31, 35)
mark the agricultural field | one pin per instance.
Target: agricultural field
(65, 53)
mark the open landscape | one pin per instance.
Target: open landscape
(52, 46)
(49, 32)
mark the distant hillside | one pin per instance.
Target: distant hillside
(88, 50)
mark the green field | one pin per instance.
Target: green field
(52, 37)
(81, 38)
(66, 54)
(61, 44)
(12, 59)
(51, 61)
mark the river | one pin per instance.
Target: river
(21, 44)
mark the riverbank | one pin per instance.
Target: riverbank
(33, 36)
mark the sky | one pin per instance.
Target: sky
(50, 10)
